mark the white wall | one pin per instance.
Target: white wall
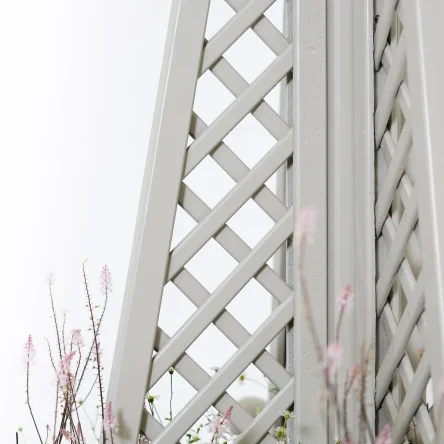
(77, 86)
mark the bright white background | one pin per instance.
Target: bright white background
(78, 83)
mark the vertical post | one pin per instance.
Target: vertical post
(426, 73)
(163, 176)
(351, 184)
(310, 189)
(364, 191)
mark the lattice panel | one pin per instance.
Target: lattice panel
(209, 139)
(404, 367)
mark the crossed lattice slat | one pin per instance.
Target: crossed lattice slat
(211, 224)
(407, 335)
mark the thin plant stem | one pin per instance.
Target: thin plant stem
(157, 413)
(171, 396)
(28, 400)
(97, 349)
(55, 412)
(92, 425)
(99, 324)
(54, 315)
(91, 389)
(63, 333)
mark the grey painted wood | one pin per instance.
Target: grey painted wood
(220, 298)
(149, 257)
(426, 71)
(310, 189)
(229, 372)
(350, 191)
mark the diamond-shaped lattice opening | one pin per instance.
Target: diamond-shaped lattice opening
(252, 295)
(275, 184)
(275, 14)
(249, 55)
(181, 394)
(273, 98)
(175, 309)
(190, 141)
(250, 141)
(218, 16)
(212, 349)
(211, 265)
(209, 181)
(183, 224)
(211, 98)
(251, 223)
(252, 390)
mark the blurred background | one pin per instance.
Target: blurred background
(78, 85)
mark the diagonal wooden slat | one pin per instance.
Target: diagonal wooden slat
(228, 373)
(408, 282)
(149, 256)
(150, 426)
(403, 96)
(412, 400)
(197, 378)
(399, 342)
(394, 174)
(264, 29)
(391, 87)
(238, 110)
(263, 112)
(383, 29)
(229, 205)
(200, 320)
(268, 416)
(394, 258)
(231, 328)
(237, 170)
(232, 30)
(234, 245)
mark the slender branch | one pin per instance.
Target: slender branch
(99, 324)
(171, 394)
(63, 333)
(97, 349)
(50, 282)
(55, 412)
(28, 402)
(93, 428)
(155, 409)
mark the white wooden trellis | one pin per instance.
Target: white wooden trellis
(408, 294)
(325, 137)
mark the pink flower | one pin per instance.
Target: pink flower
(334, 356)
(64, 374)
(67, 435)
(345, 298)
(106, 280)
(110, 421)
(384, 436)
(220, 424)
(76, 338)
(29, 351)
(307, 223)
